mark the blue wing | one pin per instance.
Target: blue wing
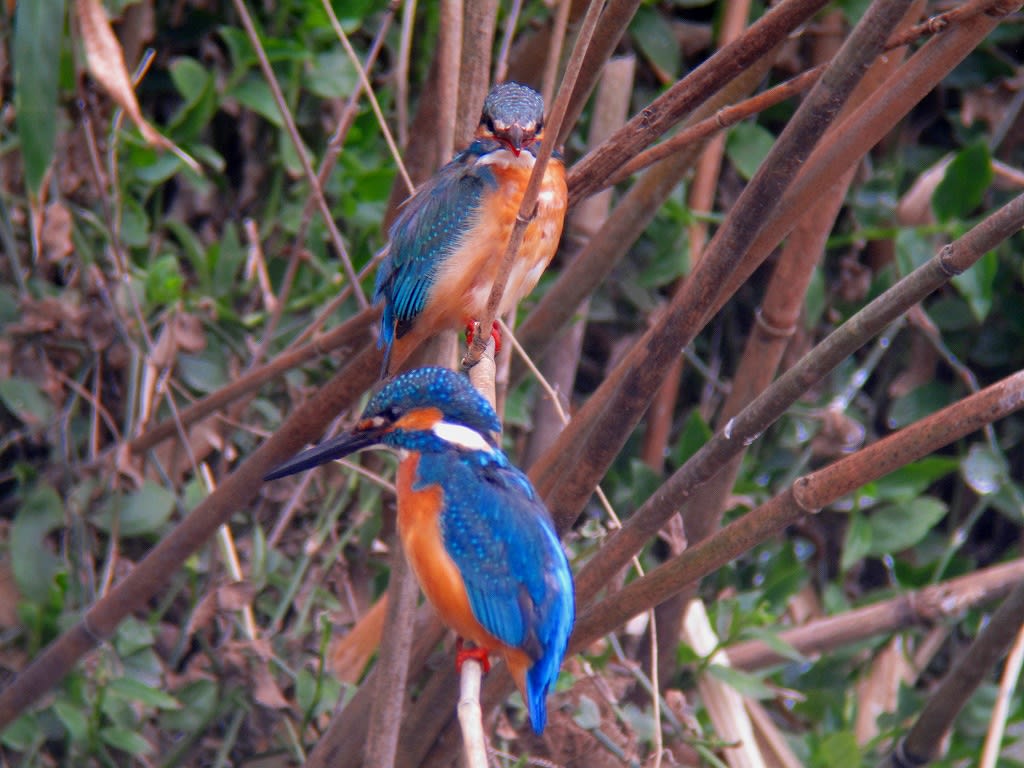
(501, 538)
(425, 234)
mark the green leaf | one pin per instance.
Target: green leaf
(38, 32)
(199, 701)
(141, 512)
(254, 93)
(894, 528)
(918, 403)
(912, 250)
(126, 740)
(983, 470)
(912, 480)
(133, 636)
(331, 75)
(23, 734)
(977, 284)
(34, 565)
(744, 683)
(198, 89)
(72, 718)
(653, 35)
(770, 637)
(746, 146)
(837, 748)
(134, 690)
(964, 183)
(24, 399)
(694, 434)
(857, 543)
(164, 281)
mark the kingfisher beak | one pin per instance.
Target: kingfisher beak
(363, 436)
(515, 138)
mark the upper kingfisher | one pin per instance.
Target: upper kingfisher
(447, 242)
(479, 539)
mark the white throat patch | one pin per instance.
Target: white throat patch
(462, 436)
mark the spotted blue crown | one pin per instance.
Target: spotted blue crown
(436, 387)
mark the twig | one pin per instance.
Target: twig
(396, 155)
(470, 716)
(300, 150)
(401, 73)
(772, 403)
(1001, 709)
(926, 606)
(393, 663)
(449, 58)
(501, 65)
(922, 743)
(806, 496)
(529, 202)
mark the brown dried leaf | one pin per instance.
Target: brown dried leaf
(204, 613)
(188, 332)
(839, 434)
(350, 655)
(915, 207)
(56, 233)
(235, 596)
(266, 690)
(9, 597)
(877, 691)
(106, 63)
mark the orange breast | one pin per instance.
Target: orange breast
(420, 531)
(467, 279)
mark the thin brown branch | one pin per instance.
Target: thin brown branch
(529, 202)
(773, 402)
(623, 226)
(300, 150)
(669, 108)
(390, 683)
(805, 496)
(604, 423)
(151, 574)
(863, 129)
(921, 607)
(352, 332)
(923, 742)
(477, 43)
(611, 26)
(449, 57)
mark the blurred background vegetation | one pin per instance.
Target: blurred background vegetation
(136, 280)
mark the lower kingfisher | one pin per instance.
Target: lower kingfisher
(479, 539)
(448, 240)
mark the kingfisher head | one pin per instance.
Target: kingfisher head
(425, 409)
(513, 115)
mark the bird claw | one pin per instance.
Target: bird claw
(476, 653)
(471, 331)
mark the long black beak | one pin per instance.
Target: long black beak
(329, 450)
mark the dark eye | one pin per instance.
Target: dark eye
(391, 413)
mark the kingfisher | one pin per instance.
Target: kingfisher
(447, 242)
(479, 539)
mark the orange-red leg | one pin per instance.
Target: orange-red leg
(471, 326)
(476, 653)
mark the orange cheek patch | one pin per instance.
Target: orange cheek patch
(419, 419)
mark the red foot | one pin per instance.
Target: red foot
(471, 326)
(463, 654)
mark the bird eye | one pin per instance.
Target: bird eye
(391, 413)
